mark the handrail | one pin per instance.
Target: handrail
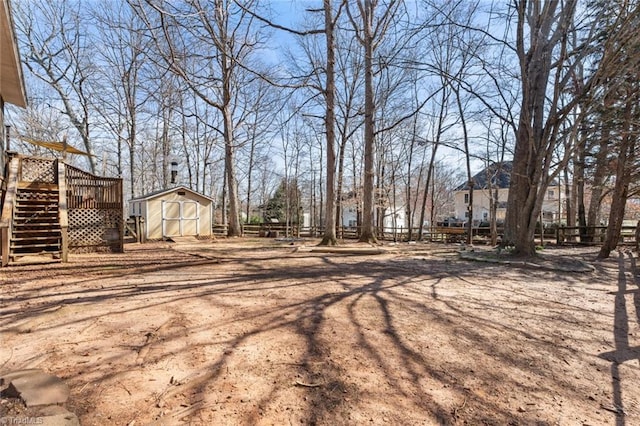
(6, 219)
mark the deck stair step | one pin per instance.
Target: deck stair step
(36, 229)
(18, 233)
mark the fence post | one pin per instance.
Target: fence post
(143, 230)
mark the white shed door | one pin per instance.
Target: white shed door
(180, 218)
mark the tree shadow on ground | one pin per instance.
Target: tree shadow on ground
(343, 320)
(623, 352)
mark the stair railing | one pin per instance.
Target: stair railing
(6, 219)
(63, 211)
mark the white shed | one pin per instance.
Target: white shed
(174, 212)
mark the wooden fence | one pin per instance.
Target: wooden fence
(434, 234)
(593, 235)
(279, 230)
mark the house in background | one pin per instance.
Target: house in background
(395, 217)
(497, 177)
(174, 212)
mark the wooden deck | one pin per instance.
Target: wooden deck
(51, 207)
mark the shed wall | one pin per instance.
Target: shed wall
(153, 216)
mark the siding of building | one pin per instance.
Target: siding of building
(177, 212)
(552, 206)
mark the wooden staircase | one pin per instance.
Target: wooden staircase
(36, 228)
(34, 219)
(39, 197)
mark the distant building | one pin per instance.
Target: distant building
(497, 177)
(394, 217)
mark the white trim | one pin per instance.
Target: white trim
(167, 191)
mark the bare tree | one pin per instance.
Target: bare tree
(370, 31)
(255, 131)
(223, 33)
(622, 115)
(56, 50)
(348, 108)
(327, 91)
(122, 94)
(37, 120)
(542, 47)
(329, 237)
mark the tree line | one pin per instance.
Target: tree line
(363, 104)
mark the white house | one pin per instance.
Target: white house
(497, 176)
(394, 218)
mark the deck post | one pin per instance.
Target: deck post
(63, 212)
(6, 217)
(6, 238)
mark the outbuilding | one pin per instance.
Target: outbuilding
(174, 212)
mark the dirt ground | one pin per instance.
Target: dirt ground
(265, 332)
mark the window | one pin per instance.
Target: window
(466, 215)
(550, 193)
(485, 215)
(466, 198)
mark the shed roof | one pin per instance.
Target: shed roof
(162, 192)
(12, 87)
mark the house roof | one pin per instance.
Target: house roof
(497, 174)
(12, 87)
(162, 192)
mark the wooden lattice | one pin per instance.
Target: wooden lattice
(39, 170)
(95, 228)
(95, 211)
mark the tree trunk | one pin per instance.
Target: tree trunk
(367, 234)
(223, 205)
(625, 160)
(522, 214)
(234, 228)
(470, 182)
(343, 144)
(434, 150)
(249, 175)
(578, 179)
(539, 116)
(493, 210)
(571, 216)
(597, 187)
(616, 216)
(329, 238)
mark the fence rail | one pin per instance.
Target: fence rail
(560, 235)
(87, 191)
(592, 235)
(441, 234)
